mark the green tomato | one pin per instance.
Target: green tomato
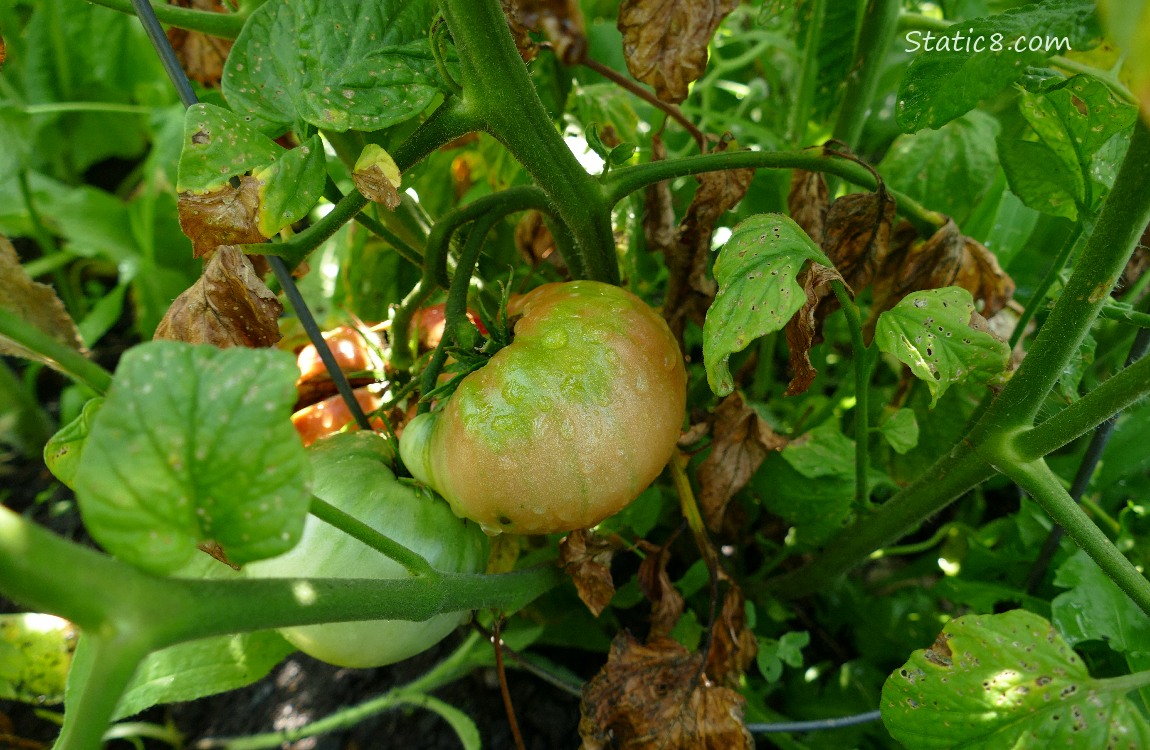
(567, 424)
(351, 471)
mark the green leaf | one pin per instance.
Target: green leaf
(1095, 609)
(929, 332)
(194, 444)
(774, 653)
(1007, 681)
(1039, 178)
(219, 145)
(823, 452)
(460, 722)
(816, 508)
(290, 186)
(758, 292)
(949, 169)
(955, 74)
(196, 669)
(35, 654)
(900, 430)
(358, 64)
(63, 450)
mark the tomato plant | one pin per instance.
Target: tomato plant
(566, 424)
(795, 350)
(351, 472)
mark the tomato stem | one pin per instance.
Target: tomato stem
(413, 562)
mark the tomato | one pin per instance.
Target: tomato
(331, 415)
(430, 321)
(564, 426)
(351, 471)
(354, 351)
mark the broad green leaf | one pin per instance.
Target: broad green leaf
(1039, 178)
(758, 291)
(1007, 681)
(955, 74)
(1096, 609)
(949, 169)
(775, 652)
(900, 430)
(63, 450)
(290, 186)
(357, 64)
(930, 332)
(816, 508)
(200, 668)
(35, 654)
(219, 145)
(193, 444)
(823, 452)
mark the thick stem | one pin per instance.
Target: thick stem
(1038, 481)
(880, 20)
(799, 113)
(224, 25)
(497, 87)
(622, 182)
(113, 662)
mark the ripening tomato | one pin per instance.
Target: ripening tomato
(351, 471)
(567, 424)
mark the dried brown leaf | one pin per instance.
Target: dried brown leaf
(228, 306)
(733, 644)
(666, 601)
(653, 697)
(805, 328)
(534, 242)
(808, 203)
(586, 557)
(376, 176)
(742, 440)
(665, 41)
(202, 56)
(35, 304)
(228, 216)
(857, 238)
(560, 20)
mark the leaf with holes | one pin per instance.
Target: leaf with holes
(219, 145)
(195, 444)
(931, 333)
(366, 66)
(758, 293)
(1008, 681)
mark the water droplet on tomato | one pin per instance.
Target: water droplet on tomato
(556, 338)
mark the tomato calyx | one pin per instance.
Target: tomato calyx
(468, 345)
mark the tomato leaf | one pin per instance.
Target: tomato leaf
(948, 80)
(759, 291)
(36, 304)
(1007, 680)
(35, 654)
(900, 430)
(366, 67)
(193, 444)
(931, 333)
(290, 186)
(1095, 608)
(63, 450)
(218, 145)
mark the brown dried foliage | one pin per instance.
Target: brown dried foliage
(202, 56)
(808, 203)
(34, 303)
(374, 185)
(742, 440)
(560, 20)
(228, 216)
(733, 645)
(666, 602)
(804, 328)
(857, 238)
(665, 41)
(654, 696)
(586, 557)
(534, 242)
(228, 306)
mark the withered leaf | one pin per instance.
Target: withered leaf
(213, 548)
(202, 56)
(560, 20)
(733, 644)
(534, 242)
(807, 203)
(228, 216)
(690, 290)
(666, 601)
(35, 304)
(376, 176)
(229, 305)
(803, 328)
(586, 557)
(947, 258)
(654, 697)
(665, 41)
(857, 238)
(742, 440)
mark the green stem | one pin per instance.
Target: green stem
(114, 661)
(60, 356)
(880, 20)
(1039, 297)
(407, 252)
(403, 347)
(299, 247)
(1119, 392)
(1124, 315)
(808, 74)
(862, 362)
(413, 562)
(52, 108)
(1122, 684)
(224, 25)
(1038, 481)
(622, 182)
(496, 86)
